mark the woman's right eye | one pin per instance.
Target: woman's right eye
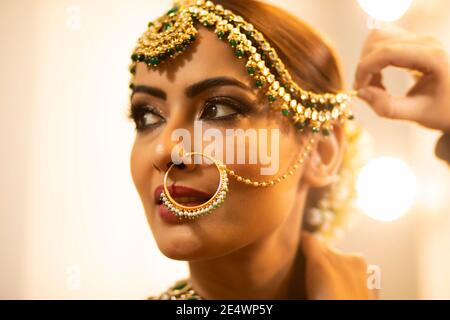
(146, 117)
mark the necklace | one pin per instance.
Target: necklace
(181, 290)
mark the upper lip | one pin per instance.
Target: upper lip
(180, 191)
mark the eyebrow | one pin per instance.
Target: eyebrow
(192, 90)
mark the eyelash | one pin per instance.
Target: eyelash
(240, 108)
(138, 111)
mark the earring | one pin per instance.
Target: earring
(192, 212)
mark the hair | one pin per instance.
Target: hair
(314, 65)
(312, 62)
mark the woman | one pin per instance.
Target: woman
(249, 243)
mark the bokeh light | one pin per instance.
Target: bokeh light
(385, 10)
(386, 188)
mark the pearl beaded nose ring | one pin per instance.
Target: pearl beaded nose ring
(192, 212)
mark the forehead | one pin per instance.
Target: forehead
(207, 57)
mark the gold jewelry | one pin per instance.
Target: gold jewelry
(181, 290)
(171, 34)
(300, 160)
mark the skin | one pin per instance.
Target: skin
(251, 247)
(428, 102)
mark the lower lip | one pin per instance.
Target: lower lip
(170, 217)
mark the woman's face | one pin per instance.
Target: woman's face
(175, 95)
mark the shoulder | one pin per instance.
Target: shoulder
(332, 274)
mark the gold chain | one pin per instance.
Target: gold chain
(300, 160)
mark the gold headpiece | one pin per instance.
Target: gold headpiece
(169, 35)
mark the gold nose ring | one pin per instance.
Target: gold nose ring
(192, 212)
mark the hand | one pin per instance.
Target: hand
(332, 275)
(428, 101)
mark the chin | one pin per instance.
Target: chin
(186, 245)
(181, 245)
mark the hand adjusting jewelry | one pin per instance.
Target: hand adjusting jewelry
(192, 212)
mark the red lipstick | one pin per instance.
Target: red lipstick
(183, 195)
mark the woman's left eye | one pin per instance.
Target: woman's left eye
(221, 109)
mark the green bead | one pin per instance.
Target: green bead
(163, 56)
(326, 132)
(233, 43)
(239, 53)
(259, 83)
(150, 24)
(315, 130)
(285, 112)
(271, 98)
(140, 57)
(172, 11)
(131, 86)
(221, 34)
(180, 286)
(300, 125)
(134, 57)
(154, 61)
(179, 47)
(192, 38)
(171, 51)
(251, 71)
(166, 26)
(351, 117)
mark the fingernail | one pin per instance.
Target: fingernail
(364, 94)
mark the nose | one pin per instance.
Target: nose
(168, 152)
(162, 153)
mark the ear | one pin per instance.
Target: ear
(325, 158)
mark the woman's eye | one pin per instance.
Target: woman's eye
(146, 117)
(219, 110)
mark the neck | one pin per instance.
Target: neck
(270, 268)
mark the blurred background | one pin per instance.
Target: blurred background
(71, 223)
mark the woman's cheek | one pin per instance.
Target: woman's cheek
(139, 166)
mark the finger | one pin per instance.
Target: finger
(403, 56)
(386, 106)
(425, 42)
(386, 35)
(377, 81)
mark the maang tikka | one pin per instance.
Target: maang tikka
(171, 34)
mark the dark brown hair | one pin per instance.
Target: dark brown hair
(310, 60)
